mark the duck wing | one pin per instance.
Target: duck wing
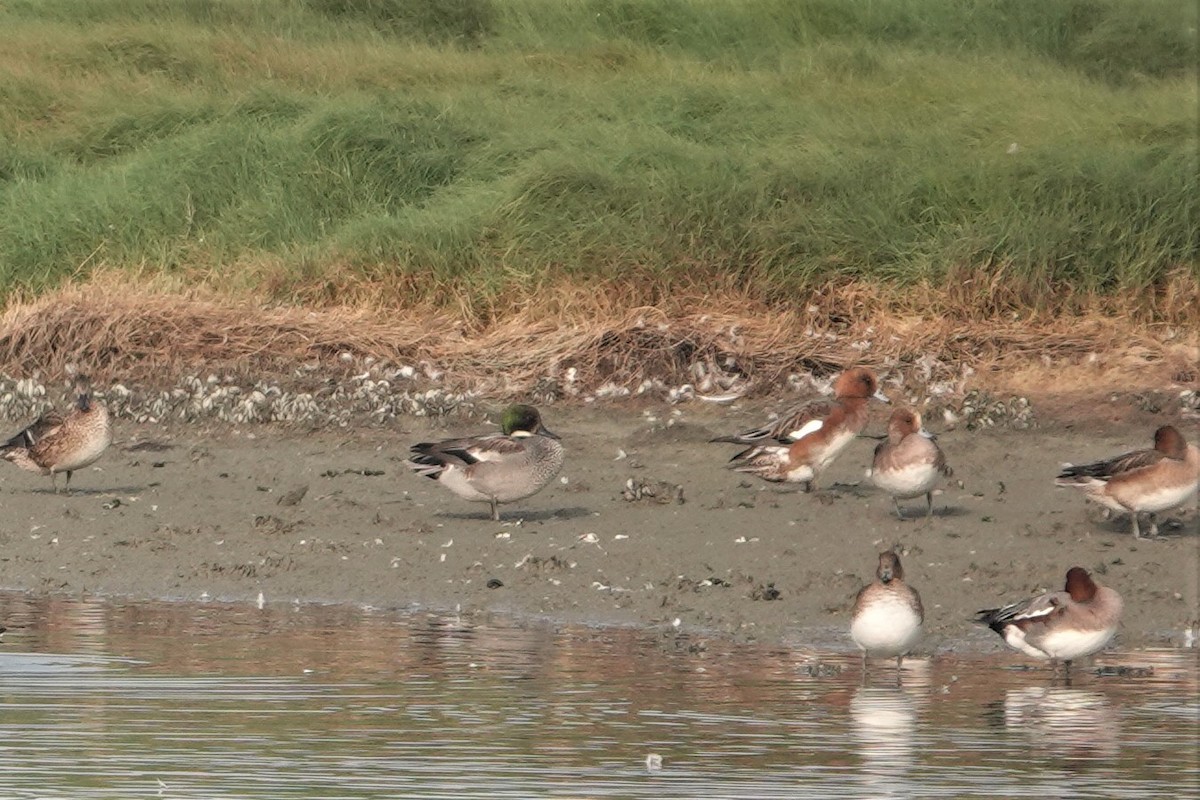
(469, 450)
(43, 427)
(793, 424)
(1024, 612)
(1104, 470)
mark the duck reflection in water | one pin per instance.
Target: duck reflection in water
(884, 722)
(1063, 722)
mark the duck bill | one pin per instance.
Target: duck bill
(544, 431)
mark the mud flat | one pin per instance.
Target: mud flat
(333, 516)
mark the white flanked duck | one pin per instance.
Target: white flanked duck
(1059, 626)
(808, 438)
(496, 468)
(1143, 481)
(58, 442)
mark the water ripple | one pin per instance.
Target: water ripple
(324, 704)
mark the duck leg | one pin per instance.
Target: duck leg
(899, 511)
(1153, 525)
(67, 489)
(929, 502)
(495, 510)
(1137, 533)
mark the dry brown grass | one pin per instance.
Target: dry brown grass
(155, 335)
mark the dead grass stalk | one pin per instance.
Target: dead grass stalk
(155, 336)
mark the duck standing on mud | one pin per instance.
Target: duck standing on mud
(909, 462)
(809, 437)
(57, 443)
(1144, 481)
(497, 468)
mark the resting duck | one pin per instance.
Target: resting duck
(1141, 482)
(58, 442)
(887, 616)
(495, 468)
(1059, 626)
(909, 462)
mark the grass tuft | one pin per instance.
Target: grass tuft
(462, 22)
(1017, 155)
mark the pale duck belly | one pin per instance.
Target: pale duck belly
(88, 453)
(910, 481)
(1015, 638)
(1098, 492)
(1159, 499)
(507, 484)
(802, 473)
(886, 627)
(1068, 644)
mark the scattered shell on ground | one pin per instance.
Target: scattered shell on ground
(1189, 403)
(979, 409)
(661, 492)
(380, 392)
(373, 394)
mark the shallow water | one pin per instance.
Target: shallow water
(117, 700)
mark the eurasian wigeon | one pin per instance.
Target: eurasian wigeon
(1059, 626)
(495, 468)
(1144, 481)
(58, 442)
(812, 435)
(909, 462)
(887, 616)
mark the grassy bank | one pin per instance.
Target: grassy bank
(1018, 155)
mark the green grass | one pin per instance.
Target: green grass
(503, 146)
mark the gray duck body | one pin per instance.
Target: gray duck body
(497, 468)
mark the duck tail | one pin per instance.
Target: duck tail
(20, 441)
(995, 618)
(425, 464)
(1081, 475)
(744, 457)
(754, 436)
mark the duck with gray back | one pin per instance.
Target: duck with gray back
(1142, 481)
(810, 437)
(494, 468)
(1059, 626)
